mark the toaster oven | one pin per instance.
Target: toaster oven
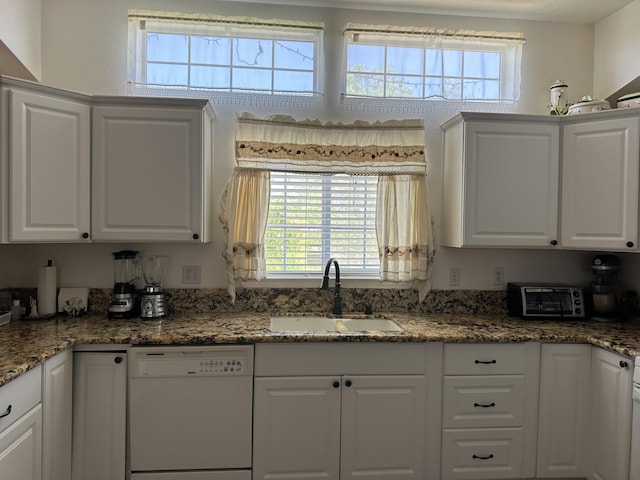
(545, 300)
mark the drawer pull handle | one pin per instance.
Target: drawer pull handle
(485, 405)
(484, 457)
(485, 362)
(6, 412)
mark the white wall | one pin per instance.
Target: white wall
(85, 46)
(617, 38)
(20, 33)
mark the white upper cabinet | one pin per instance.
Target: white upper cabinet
(500, 181)
(151, 170)
(79, 168)
(46, 136)
(600, 184)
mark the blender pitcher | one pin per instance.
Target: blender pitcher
(153, 303)
(123, 303)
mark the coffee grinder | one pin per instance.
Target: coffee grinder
(124, 300)
(605, 291)
(153, 302)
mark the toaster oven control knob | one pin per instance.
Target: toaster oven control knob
(578, 311)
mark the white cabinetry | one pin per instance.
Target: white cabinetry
(500, 181)
(339, 421)
(489, 411)
(57, 394)
(600, 184)
(563, 416)
(151, 170)
(611, 382)
(21, 427)
(46, 135)
(99, 415)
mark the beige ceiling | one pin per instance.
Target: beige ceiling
(574, 11)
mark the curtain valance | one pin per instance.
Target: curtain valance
(285, 144)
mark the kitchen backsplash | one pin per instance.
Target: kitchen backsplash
(285, 300)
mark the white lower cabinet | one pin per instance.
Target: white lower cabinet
(21, 427)
(57, 394)
(610, 415)
(99, 415)
(339, 425)
(563, 415)
(489, 411)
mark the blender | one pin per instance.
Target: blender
(605, 288)
(153, 302)
(124, 300)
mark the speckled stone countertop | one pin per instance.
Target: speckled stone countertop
(27, 343)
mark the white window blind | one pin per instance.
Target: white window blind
(315, 217)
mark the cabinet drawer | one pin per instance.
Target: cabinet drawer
(482, 453)
(483, 401)
(484, 359)
(21, 394)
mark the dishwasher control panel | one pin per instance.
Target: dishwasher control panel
(191, 361)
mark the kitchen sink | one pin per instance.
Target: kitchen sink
(326, 324)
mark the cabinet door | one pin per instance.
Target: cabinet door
(510, 184)
(57, 391)
(21, 448)
(383, 427)
(600, 184)
(564, 411)
(611, 381)
(148, 174)
(296, 428)
(99, 416)
(49, 159)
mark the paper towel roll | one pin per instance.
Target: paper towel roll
(47, 304)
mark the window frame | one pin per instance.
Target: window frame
(368, 225)
(138, 58)
(509, 59)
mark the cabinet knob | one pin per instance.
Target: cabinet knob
(336, 384)
(85, 235)
(554, 242)
(196, 236)
(348, 383)
(624, 364)
(630, 244)
(118, 359)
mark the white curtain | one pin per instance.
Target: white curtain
(282, 143)
(392, 150)
(404, 230)
(244, 210)
(464, 70)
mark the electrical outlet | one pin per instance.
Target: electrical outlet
(498, 275)
(191, 274)
(454, 277)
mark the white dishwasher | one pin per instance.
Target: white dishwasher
(190, 412)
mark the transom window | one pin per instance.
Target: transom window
(226, 55)
(427, 64)
(315, 217)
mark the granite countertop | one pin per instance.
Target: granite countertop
(27, 343)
